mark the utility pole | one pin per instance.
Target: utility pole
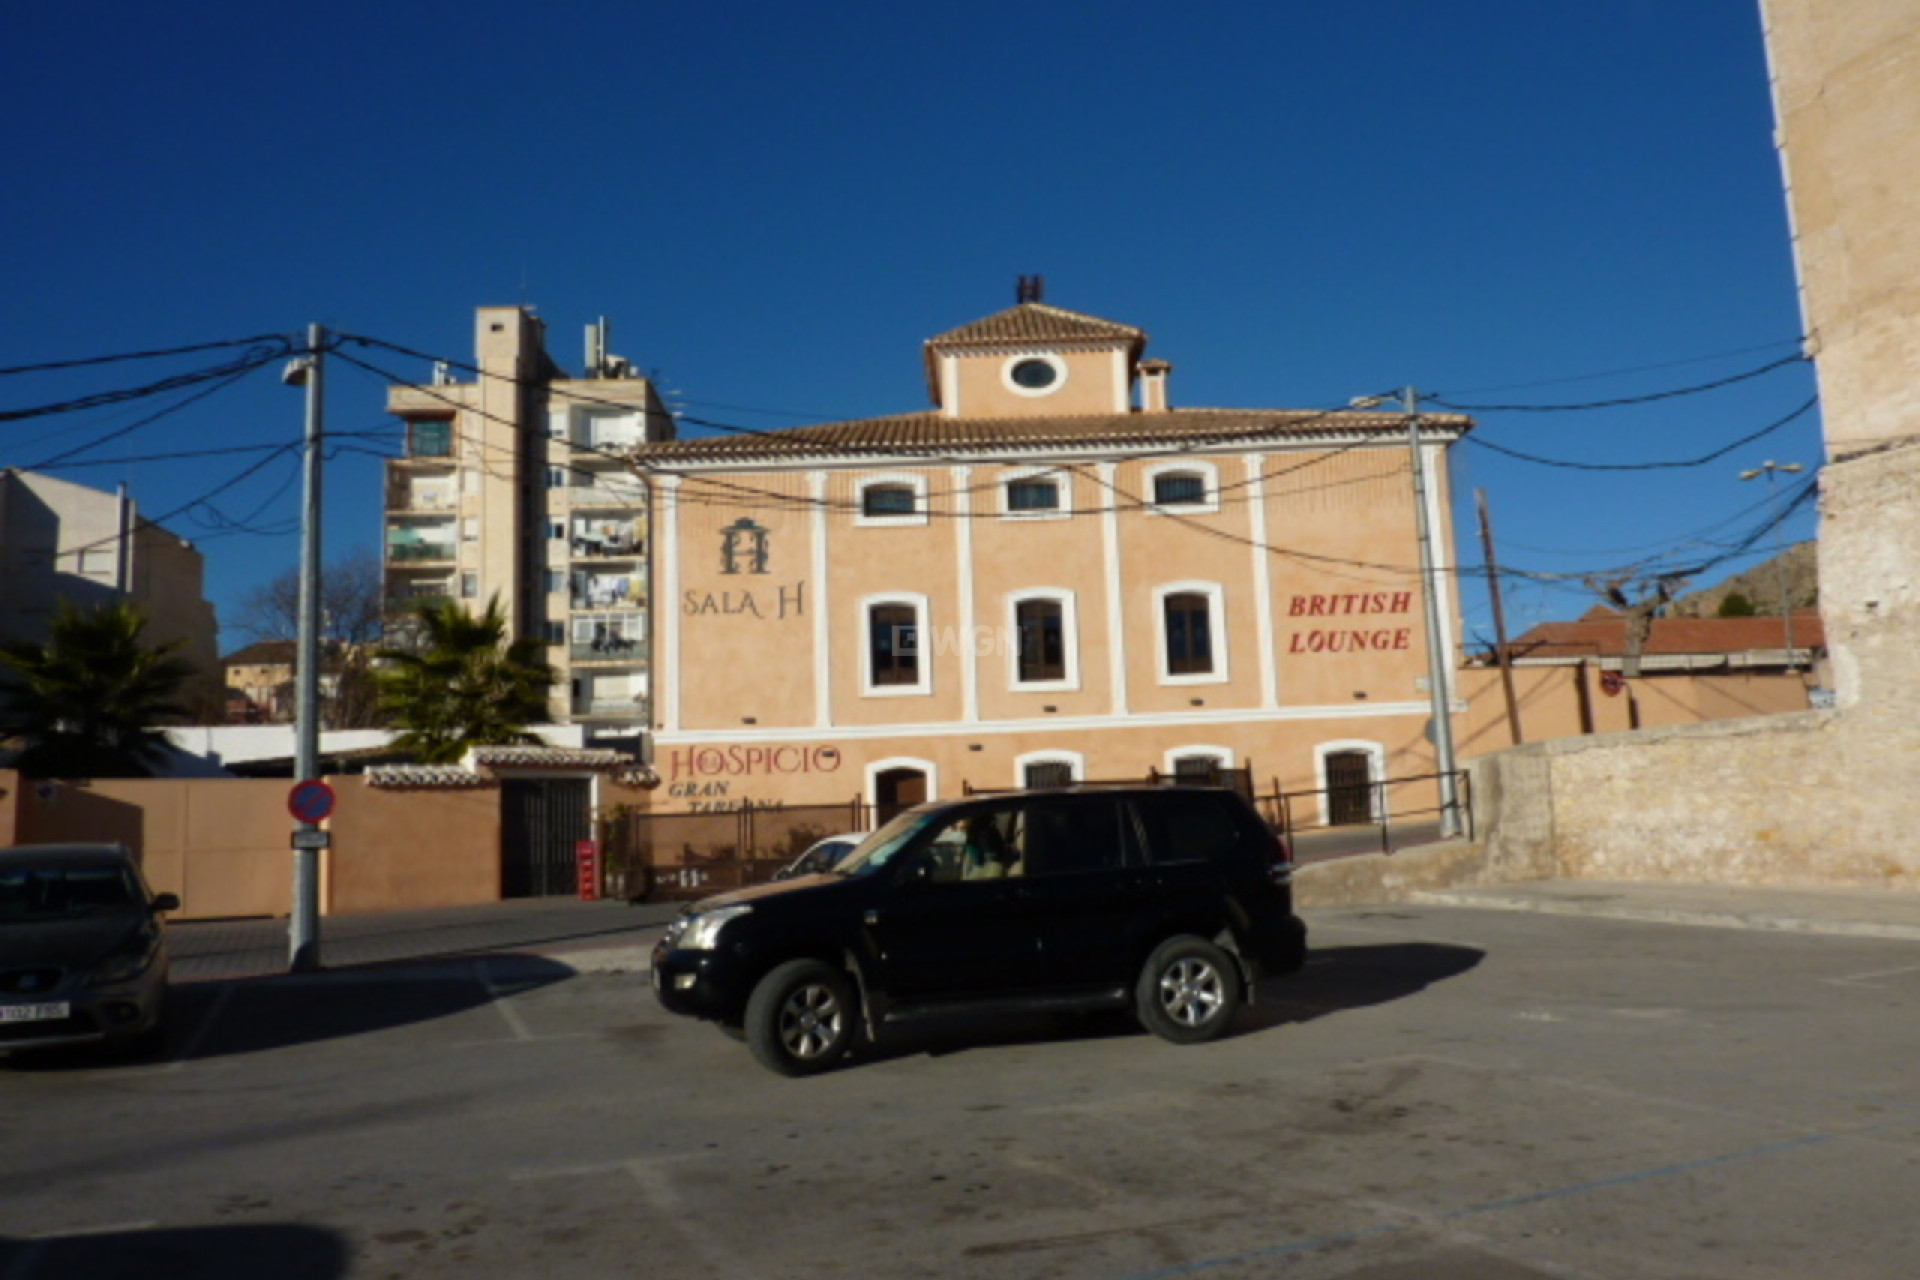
(303, 940)
(1502, 655)
(1438, 686)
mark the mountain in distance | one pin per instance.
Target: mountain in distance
(1761, 585)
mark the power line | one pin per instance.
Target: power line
(1701, 461)
(91, 361)
(1623, 401)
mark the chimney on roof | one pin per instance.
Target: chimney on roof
(1153, 385)
(1030, 289)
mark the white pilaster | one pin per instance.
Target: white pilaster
(1262, 578)
(1110, 555)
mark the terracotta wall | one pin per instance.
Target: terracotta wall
(223, 845)
(399, 848)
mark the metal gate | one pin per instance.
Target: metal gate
(542, 821)
(1349, 788)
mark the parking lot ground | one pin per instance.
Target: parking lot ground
(1445, 1092)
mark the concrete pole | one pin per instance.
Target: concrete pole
(1439, 688)
(303, 942)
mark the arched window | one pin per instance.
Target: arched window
(1045, 640)
(1192, 633)
(1183, 487)
(891, 499)
(896, 660)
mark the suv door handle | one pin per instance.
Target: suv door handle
(872, 917)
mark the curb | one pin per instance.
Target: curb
(1730, 919)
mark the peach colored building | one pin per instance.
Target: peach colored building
(1052, 573)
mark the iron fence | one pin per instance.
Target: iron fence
(677, 856)
(1401, 811)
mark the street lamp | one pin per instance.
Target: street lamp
(1769, 469)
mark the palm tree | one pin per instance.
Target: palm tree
(464, 684)
(87, 699)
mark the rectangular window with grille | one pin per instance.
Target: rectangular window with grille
(1189, 634)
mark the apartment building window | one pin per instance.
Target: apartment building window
(886, 500)
(900, 499)
(557, 530)
(896, 658)
(469, 586)
(1192, 636)
(1033, 495)
(556, 581)
(1184, 487)
(1054, 772)
(1179, 489)
(1040, 627)
(1046, 640)
(556, 477)
(433, 439)
(469, 529)
(556, 632)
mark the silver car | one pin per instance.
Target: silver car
(83, 949)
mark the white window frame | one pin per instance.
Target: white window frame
(907, 479)
(919, 604)
(1216, 630)
(1008, 365)
(878, 767)
(1209, 474)
(1075, 762)
(1069, 640)
(1062, 479)
(1223, 754)
(1376, 774)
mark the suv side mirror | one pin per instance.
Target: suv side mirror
(166, 902)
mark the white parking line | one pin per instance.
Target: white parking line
(515, 1022)
(1866, 979)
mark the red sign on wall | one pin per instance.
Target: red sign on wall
(587, 854)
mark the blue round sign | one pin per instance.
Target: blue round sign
(310, 801)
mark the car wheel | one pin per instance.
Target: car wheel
(1188, 992)
(800, 1018)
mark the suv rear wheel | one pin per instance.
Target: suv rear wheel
(1189, 991)
(800, 1018)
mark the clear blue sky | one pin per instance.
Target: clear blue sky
(1500, 202)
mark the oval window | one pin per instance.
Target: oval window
(1034, 374)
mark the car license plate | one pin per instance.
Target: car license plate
(33, 1012)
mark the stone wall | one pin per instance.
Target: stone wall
(1829, 798)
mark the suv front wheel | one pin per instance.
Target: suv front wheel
(1189, 991)
(800, 1018)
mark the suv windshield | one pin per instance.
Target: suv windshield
(880, 848)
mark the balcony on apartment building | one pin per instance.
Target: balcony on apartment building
(610, 492)
(621, 697)
(414, 544)
(409, 493)
(609, 639)
(613, 590)
(607, 540)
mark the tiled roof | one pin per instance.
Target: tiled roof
(938, 436)
(1038, 322)
(1606, 637)
(594, 758)
(440, 777)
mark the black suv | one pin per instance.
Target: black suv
(1167, 900)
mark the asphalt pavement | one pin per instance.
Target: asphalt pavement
(617, 937)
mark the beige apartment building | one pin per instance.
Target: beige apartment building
(515, 485)
(62, 542)
(1053, 573)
